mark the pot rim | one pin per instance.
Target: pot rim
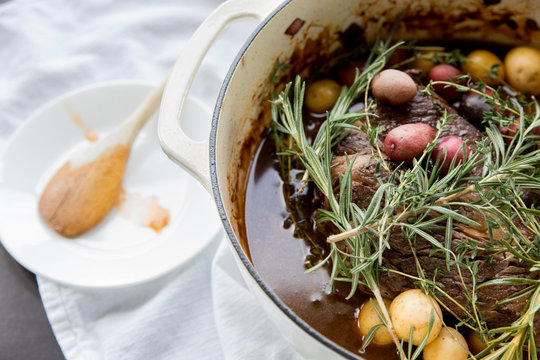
(221, 209)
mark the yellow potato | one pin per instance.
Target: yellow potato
(479, 63)
(412, 308)
(449, 345)
(368, 318)
(424, 62)
(322, 95)
(476, 344)
(522, 65)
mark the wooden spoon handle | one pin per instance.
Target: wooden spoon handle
(143, 112)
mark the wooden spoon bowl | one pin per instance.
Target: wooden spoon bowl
(85, 188)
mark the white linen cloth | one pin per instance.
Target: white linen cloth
(201, 310)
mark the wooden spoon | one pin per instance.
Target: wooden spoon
(84, 189)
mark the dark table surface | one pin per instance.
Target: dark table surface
(25, 333)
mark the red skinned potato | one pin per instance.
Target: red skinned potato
(492, 94)
(510, 131)
(444, 72)
(447, 149)
(393, 87)
(406, 142)
(397, 57)
(347, 73)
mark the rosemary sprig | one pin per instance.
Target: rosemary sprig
(419, 200)
(316, 158)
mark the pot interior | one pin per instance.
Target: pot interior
(302, 32)
(243, 110)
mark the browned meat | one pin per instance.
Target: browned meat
(400, 257)
(364, 181)
(355, 143)
(419, 109)
(427, 110)
(456, 283)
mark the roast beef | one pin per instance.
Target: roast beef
(456, 283)
(425, 109)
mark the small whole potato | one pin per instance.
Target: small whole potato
(445, 72)
(449, 345)
(412, 308)
(473, 107)
(512, 131)
(368, 318)
(322, 95)
(347, 73)
(397, 57)
(406, 142)
(393, 87)
(522, 66)
(424, 62)
(447, 149)
(476, 343)
(479, 63)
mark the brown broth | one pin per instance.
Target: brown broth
(279, 258)
(279, 255)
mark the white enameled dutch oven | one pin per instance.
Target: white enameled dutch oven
(220, 163)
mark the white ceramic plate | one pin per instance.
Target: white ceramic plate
(118, 251)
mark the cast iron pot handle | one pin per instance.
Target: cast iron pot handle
(188, 153)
